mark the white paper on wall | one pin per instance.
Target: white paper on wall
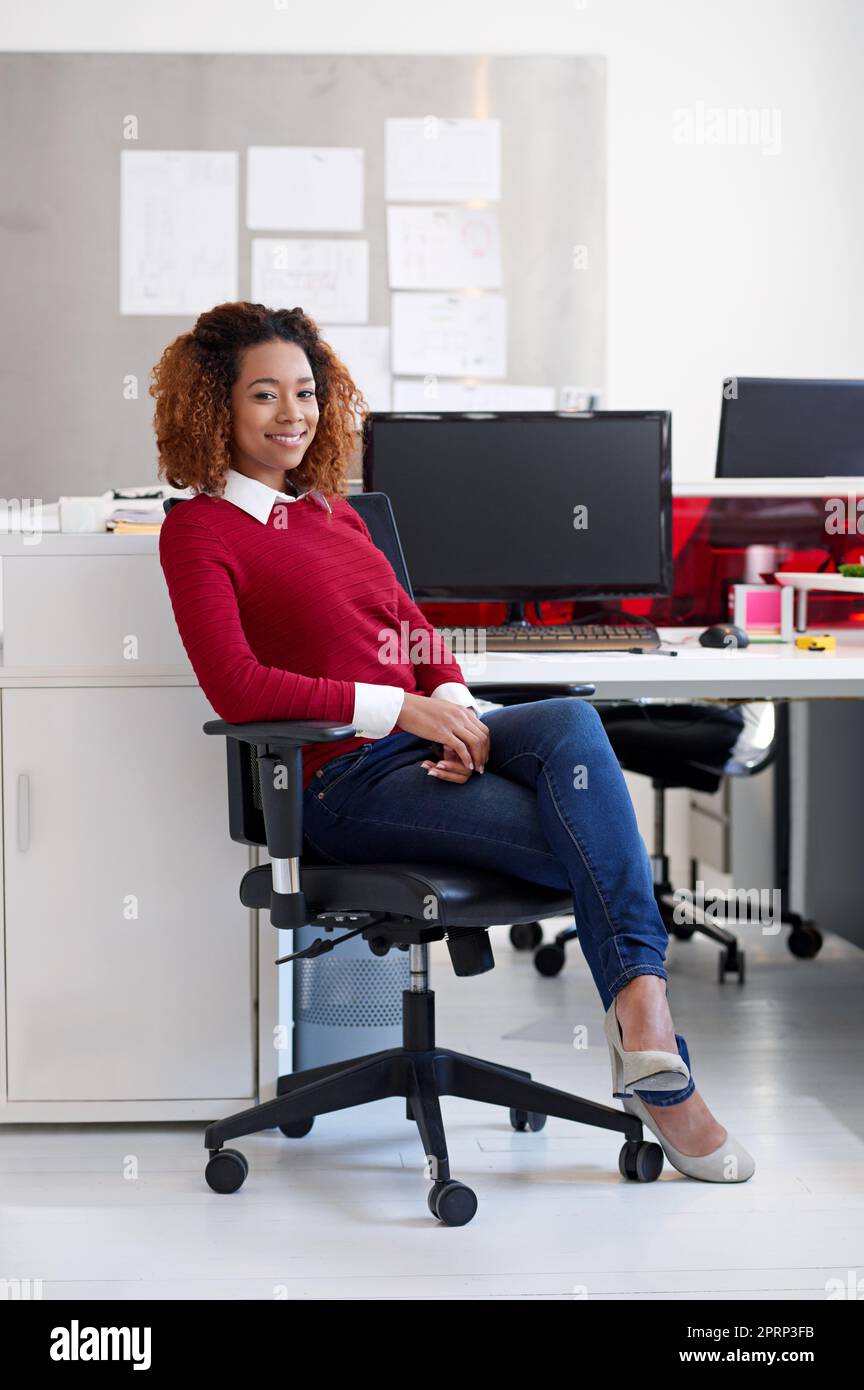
(366, 353)
(449, 334)
(329, 280)
(462, 395)
(178, 230)
(443, 248)
(304, 188)
(436, 159)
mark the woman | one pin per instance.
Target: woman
(285, 605)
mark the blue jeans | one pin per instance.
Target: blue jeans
(551, 807)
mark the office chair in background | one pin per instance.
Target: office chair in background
(392, 905)
(694, 746)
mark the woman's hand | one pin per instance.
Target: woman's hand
(449, 769)
(463, 736)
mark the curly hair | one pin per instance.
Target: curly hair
(192, 382)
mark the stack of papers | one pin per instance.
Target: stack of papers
(137, 510)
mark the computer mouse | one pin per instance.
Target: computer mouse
(724, 635)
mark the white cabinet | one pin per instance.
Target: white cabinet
(129, 958)
(88, 611)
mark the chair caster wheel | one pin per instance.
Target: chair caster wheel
(526, 936)
(640, 1161)
(527, 1119)
(805, 942)
(452, 1202)
(295, 1129)
(226, 1171)
(549, 960)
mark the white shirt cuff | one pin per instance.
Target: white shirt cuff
(376, 709)
(457, 694)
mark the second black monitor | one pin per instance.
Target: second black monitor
(776, 427)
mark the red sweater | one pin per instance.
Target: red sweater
(279, 621)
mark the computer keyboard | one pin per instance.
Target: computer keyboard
(564, 637)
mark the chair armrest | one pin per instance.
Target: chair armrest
(291, 731)
(277, 746)
(523, 693)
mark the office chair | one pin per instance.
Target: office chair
(688, 745)
(392, 905)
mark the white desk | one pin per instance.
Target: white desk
(826, 880)
(759, 671)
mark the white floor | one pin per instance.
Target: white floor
(342, 1213)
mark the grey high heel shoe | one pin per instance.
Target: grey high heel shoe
(730, 1161)
(647, 1071)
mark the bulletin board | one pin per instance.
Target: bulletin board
(74, 369)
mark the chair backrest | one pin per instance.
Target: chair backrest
(376, 510)
(245, 812)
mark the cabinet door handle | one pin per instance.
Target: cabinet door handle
(23, 812)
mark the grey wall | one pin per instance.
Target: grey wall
(65, 348)
(828, 885)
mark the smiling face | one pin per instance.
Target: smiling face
(274, 411)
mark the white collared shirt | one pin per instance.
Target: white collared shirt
(376, 707)
(253, 497)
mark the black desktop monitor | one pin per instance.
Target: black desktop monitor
(778, 428)
(527, 506)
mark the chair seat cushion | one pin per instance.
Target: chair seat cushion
(675, 745)
(450, 895)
